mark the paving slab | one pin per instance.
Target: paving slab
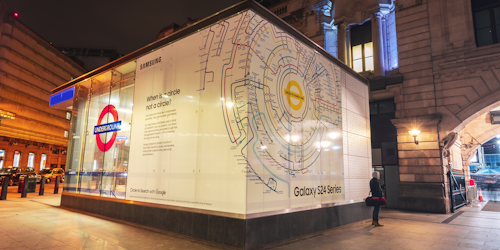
(38, 222)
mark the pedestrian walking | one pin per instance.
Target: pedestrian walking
(376, 190)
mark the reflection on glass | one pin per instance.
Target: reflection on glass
(368, 49)
(17, 157)
(101, 160)
(356, 52)
(333, 135)
(31, 160)
(482, 19)
(386, 107)
(373, 108)
(2, 157)
(43, 161)
(357, 65)
(484, 37)
(369, 63)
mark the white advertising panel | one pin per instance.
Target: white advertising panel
(239, 117)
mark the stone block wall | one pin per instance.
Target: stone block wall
(30, 67)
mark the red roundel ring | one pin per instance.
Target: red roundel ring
(106, 146)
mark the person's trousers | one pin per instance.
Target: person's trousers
(376, 210)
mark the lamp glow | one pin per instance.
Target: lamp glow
(414, 133)
(295, 138)
(229, 104)
(333, 135)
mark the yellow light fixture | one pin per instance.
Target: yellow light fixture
(7, 115)
(414, 133)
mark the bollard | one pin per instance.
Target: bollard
(56, 186)
(20, 184)
(42, 186)
(25, 187)
(5, 186)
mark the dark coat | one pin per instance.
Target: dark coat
(375, 187)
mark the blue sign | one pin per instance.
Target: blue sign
(62, 96)
(108, 127)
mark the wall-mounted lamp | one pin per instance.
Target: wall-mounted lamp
(414, 133)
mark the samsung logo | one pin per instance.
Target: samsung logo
(150, 63)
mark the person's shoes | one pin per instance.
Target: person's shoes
(373, 222)
(377, 224)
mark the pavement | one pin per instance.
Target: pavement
(38, 222)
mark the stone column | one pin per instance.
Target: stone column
(378, 44)
(341, 40)
(424, 184)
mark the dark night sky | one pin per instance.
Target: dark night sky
(126, 25)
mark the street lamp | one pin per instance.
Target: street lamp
(414, 133)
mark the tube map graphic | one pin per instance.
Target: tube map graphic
(258, 121)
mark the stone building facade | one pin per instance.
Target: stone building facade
(31, 133)
(437, 61)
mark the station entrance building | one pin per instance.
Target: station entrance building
(237, 129)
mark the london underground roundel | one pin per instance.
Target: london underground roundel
(107, 128)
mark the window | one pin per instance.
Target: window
(486, 15)
(373, 108)
(43, 161)
(362, 47)
(17, 158)
(2, 158)
(474, 158)
(386, 107)
(382, 107)
(31, 160)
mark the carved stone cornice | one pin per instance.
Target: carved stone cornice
(421, 121)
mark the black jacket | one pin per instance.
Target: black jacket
(375, 187)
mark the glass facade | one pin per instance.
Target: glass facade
(98, 164)
(217, 127)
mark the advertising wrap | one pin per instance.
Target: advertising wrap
(239, 117)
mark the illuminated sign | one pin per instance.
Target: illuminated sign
(107, 128)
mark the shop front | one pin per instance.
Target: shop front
(228, 130)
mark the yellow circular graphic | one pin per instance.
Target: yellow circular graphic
(290, 94)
